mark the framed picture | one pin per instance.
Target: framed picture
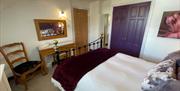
(170, 25)
(50, 29)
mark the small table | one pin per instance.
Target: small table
(43, 52)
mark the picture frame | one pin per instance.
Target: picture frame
(50, 29)
(170, 25)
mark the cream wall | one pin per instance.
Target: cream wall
(1, 22)
(106, 7)
(80, 4)
(95, 20)
(154, 48)
(18, 24)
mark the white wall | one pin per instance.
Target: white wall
(1, 22)
(154, 48)
(106, 7)
(95, 20)
(80, 4)
(18, 24)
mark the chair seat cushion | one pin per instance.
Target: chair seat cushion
(26, 66)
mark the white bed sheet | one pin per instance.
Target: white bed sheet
(119, 73)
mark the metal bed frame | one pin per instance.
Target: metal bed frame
(71, 52)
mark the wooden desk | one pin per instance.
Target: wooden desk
(48, 51)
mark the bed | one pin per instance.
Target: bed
(101, 69)
(116, 72)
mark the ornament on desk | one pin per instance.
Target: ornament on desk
(55, 42)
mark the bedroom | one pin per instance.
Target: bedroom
(17, 25)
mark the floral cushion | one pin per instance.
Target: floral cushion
(173, 85)
(161, 73)
(167, 66)
(175, 56)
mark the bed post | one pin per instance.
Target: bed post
(101, 41)
(57, 57)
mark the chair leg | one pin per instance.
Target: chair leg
(43, 69)
(16, 80)
(25, 85)
(23, 79)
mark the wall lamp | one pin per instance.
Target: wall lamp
(62, 15)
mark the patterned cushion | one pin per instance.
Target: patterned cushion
(167, 66)
(174, 55)
(26, 66)
(172, 85)
(161, 73)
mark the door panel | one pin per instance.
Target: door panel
(81, 26)
(128, 27)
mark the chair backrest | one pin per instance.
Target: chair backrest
(14, 54)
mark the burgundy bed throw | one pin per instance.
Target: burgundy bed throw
(70, 71)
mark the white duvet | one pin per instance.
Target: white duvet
(119, 73)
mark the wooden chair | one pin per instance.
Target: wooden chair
(16, 57)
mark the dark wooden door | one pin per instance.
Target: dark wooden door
(81, 26)
(128, 27)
